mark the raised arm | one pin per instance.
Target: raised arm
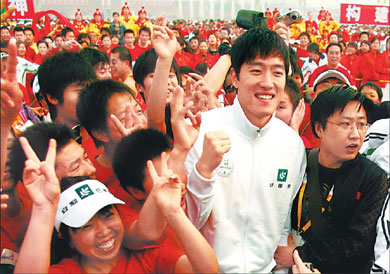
(216, 76)
(43, 187)
(164, 43)
(11, 99)
(200, 257)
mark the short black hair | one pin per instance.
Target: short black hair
(293, 91)
(65, 31)
(364, 32)
(115, 12)
(145, 29)
(48, 37)
(332, 100)
(91, 108)
(95, 56)
(374, 86)
(106, 35)
(146, 64)
(352, 44)
(304, 34)
(106, 29)
(201, 68)
(38, 135)
(43, 42)
(128, 31)
(82, 36)
(258, 42)
(4, 27)
(132, 153)
(124, 54)
(17, 29)
(28, 29)
(58, 72)
(195, 37)
(313, 47)
(334, 44)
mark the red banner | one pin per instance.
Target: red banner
(24, 9)
(364, 14)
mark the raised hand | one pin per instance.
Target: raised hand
(39, 177)
(215, 145)
(166, 187)
(11, 95)
(164, 42)
(283, 31)
(185, 133)
(298, 115)
(133, 121)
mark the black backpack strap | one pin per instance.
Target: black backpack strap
(314, 194)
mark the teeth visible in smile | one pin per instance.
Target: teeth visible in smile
(352, 146)
(267, 97)
(106, 245)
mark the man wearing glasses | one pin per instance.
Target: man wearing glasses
(336, 210)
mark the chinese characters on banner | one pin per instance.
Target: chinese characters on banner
(24, 9)
(364, 14)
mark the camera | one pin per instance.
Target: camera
(291, 17)
(248, 19)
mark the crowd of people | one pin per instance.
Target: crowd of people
(141, 146)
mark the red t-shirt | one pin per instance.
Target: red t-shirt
(13, 229)
(161, 259)
(137, 51)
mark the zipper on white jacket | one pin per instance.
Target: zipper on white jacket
(253, 142)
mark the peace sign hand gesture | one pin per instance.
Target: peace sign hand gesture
(39, 178)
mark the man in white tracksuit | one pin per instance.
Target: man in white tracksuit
(246, 165)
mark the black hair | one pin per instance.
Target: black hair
(181, 41)
(365, 42)
(258, 42)
(124, 54)
(304, 34)
(48, 37)
(313, 47)
(38, 135)
(105, 35)
(5, 27)
(58, 72)
(227, 29)
(201, 68)
(364, 32)
(28, 28)
(95, 56)
(106, 29)
(293, 91)
(115, 12)
(91, 108)
(145, 29)
(186, 70)
(17, 29)
(352, 45)
(132, 153)
(373, 40)
(374, 86)
(128, 31)
(82, 36)
(43, 42)
(332, 100)
(195, 37)
(65, 31)
(146, 64)
(334, 44)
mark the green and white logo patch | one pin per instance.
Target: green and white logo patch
(84, 191)
(282, 175)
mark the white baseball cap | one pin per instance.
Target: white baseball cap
(331, 73)
(80, 202)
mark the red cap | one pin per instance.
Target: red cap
(97, 12)
(78, 12)
(142, 10)
(125, 7)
